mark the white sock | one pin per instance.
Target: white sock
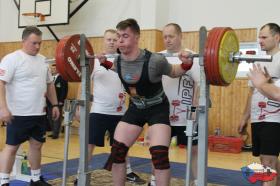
(128, 168)
(35, 175)
(153, 180)
(4, 178)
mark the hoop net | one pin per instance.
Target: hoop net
(33, 19)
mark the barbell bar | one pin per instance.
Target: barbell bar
(234, 57)
(249, 58)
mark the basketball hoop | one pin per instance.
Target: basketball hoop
(33, 19)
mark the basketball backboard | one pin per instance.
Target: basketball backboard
(43, 12)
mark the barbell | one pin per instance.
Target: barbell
(221, 56)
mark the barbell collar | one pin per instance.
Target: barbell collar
(249, 58)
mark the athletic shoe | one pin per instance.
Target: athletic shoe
(76, 182)
(134, 178)
(40, 182)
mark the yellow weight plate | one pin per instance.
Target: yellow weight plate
(228, 69)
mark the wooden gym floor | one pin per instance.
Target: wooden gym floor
(53, 151)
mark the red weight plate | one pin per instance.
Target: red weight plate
(67, 57)
(209, 65)
(215, 60)
(212, 54)
(207, 57)
(59, 59)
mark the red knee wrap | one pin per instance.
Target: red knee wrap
(160, 157)
(118, 154)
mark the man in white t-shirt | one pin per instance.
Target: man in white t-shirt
(25, 82)
(264, 113)
(108, 104)
(182, 92)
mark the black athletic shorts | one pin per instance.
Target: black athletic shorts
(99, 124)
(157, 114)
(22, 128)
(265, 138)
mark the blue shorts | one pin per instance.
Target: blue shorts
(99, 124)
(22, 128)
